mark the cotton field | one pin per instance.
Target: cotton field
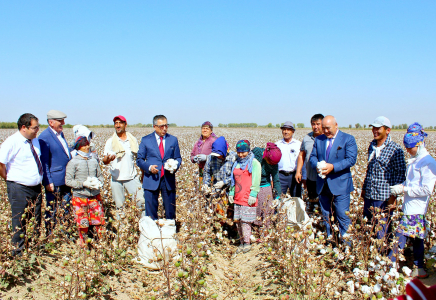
(288, 263)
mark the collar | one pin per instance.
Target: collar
(284, 142)
(158, 137)
(56, 134)
(335, 135)
(388, 140)
(22, 137)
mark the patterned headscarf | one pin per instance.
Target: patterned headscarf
(243, 146)
(415, 136)
(207, 123)
(273, 153)
(80, 142)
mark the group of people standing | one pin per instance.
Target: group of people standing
(254, 180)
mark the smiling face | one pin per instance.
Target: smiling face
(120, 126)
(329, 126)
(380, 133)
(287, 133)
(32, 131)
(206, 131)
(242, 154)
(56, 124)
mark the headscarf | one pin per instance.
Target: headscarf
(243, 146)
(80, 142)
(415, 136)
(220, 146)
(273, 153)
(207, 123)
(245, 163)
(200, 140)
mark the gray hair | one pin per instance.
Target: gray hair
(158, 117)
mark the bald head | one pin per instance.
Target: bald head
(329, 126)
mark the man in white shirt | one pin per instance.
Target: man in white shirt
(120, 152)
(288, 163)
(21, 168)
(55, 156)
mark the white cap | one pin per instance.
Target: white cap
(381, 121)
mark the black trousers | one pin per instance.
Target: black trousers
(287, 181)
(20, 197)
(311, 189)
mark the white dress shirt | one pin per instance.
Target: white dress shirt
(419, 184)
(158, 140)
(121, 168)
(63, 142)
(290, 152)
(328, 141)
(21, 166)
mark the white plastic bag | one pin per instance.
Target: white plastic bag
(156, 242)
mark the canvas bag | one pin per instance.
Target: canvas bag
(154, 237)
(295, 210)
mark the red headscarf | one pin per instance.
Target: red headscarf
(273, 153)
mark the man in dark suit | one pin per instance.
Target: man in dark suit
(339, 151)
(155, 150)
(55, 155)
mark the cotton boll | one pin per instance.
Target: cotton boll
(406, 271)
(377, 288)
(350, 287)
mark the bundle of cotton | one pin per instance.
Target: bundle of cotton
(320, 166)
(171, 165)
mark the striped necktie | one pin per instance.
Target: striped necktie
(35, 156)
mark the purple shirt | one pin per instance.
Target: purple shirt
(203, 147)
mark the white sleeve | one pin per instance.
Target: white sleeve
(6, 152)
(426, 184)
(108, 148)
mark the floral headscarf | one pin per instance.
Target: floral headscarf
(415, 136)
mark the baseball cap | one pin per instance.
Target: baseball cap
(288, 124)
(121, 118)
(381, 121)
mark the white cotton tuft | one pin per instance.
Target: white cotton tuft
(321, 165)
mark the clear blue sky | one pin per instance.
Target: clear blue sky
(223, 61)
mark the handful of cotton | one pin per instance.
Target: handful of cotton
(171, 165)
(320, 166)
(92, 183)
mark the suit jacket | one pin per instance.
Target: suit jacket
(343, 155)
(149, 154)
(54, 159)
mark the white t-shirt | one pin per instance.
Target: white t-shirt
(121, 168)
(290, 152)
(21, 166)
(419, 185)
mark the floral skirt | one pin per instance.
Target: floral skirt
(412, 226)
(245, 213)
(89, 211)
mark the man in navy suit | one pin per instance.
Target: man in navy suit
(339, 151)
(55, 155)
(154, 151)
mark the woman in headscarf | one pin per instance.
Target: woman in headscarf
(417, 189)
(84, 175)
(245, 185)
(203, 147)
(269, 158)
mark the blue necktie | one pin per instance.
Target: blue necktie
(328, 150)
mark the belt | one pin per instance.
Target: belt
(286, 173)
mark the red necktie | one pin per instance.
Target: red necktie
(161, 150)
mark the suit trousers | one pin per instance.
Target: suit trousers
(341, 204)
(289, 182)
(57, 200)
(168, 199)
(21, 197)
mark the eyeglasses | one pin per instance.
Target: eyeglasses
(33, 128)
(162, 126)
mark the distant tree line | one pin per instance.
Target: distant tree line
(238, 125)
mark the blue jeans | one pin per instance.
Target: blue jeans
(418, 249)
(341, 205)
(383, 205)
(168, 199)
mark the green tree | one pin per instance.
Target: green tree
(357, 125)
(300, 125)
(349, 126)
(270, 125)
